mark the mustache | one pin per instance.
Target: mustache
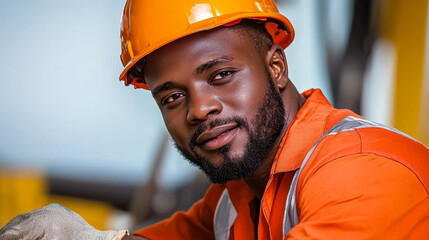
(214, 123)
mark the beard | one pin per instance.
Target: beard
(263, 130)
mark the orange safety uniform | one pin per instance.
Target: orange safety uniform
(367, 183)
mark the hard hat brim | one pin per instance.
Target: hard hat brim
(284, 39)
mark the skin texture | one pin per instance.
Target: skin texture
(215, 75)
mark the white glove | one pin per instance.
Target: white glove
(54, 222)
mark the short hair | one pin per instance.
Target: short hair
(254, 29)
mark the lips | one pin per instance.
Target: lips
(217, 137)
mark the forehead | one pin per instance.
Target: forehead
(195, 49)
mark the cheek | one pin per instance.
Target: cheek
(241, 95)
(246, 98)
(176, 127)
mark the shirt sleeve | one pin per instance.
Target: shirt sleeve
(362, 196)
(197, 223)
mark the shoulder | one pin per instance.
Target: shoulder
(359, 143)
(364, 195)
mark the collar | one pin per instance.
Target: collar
(303, 132)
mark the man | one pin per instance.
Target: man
(283, 165)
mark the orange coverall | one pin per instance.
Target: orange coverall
(367, 183)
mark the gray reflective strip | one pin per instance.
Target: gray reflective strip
(290, 218)
(224, 217)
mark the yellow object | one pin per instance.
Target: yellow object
(141, 35)
(20, 191)
(404, 23)
(25, 190)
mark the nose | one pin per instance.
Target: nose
(202, 105)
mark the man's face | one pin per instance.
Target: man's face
(218, 101)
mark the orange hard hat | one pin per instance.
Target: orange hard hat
(150, 24)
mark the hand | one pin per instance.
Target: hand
(54, 222)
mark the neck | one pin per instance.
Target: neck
(292, 102)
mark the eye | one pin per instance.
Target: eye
(222, 75)
(171, 98)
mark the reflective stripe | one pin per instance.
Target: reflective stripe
(224, 217)
(290, 218)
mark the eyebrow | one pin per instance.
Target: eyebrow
(163, 87)
(170, 84)
(212, 63)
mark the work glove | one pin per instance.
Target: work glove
(54, 222)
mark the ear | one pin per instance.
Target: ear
(277, 66)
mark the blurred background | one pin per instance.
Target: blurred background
(71, 133)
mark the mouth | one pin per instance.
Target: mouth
(217, 137)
